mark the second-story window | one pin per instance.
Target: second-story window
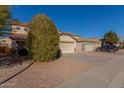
(18, 28)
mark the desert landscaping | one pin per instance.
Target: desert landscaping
(63, 71)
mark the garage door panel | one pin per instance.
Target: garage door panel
(89, 48)
(67, 47)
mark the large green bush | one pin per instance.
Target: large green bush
(43, 39)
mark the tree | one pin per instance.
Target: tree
(110, 37)
(43, 39)
(4, 15)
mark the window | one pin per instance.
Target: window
(18, 28)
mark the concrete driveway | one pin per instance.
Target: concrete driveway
(107, 70)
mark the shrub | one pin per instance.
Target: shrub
(121, 47)
(43, 39)
(22, 52)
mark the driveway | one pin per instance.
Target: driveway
(107, 71)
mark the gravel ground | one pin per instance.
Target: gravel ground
(51, 74)
(48, 74)
(14, 66)
(4, 55)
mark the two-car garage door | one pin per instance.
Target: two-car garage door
(88, 46)
(67, 47)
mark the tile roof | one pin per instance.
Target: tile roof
(67, 33)
(19, 24)
(75, 37)
(80, 39)
(18, 37)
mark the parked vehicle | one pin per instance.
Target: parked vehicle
(108, 48)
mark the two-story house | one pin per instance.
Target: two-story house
(19, 34)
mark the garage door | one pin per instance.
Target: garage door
(67, 47)
(88, 46)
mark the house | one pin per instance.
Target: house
(19, 34)
(19, 28)
(70, 43)
(4, 34)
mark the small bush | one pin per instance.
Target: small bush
(22, 52)
(121, 47)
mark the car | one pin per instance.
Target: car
(108, 48)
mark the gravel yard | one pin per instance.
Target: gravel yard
(8, 70)
(4, 55)
(48, 74)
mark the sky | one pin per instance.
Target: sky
(85, 21)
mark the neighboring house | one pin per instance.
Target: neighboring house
(5, 33)
(5, 44)
(5, 41)
(121, 41)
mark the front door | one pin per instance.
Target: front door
(21, 44)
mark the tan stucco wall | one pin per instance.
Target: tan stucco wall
(21, 31)
(66, 38)
(79, 47)
(8, 41)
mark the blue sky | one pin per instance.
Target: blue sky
(86, 21)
